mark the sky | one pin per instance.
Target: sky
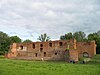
(30, 18)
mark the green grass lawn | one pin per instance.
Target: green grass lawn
(23, 67)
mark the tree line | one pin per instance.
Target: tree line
(6, 40)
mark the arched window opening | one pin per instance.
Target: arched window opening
(85, 54)
(41, 49)
(33, 46)
(44, 54)
(50, 44)
(35, 54)
(21, 47)
(60, 43)
(41, 45)
(56, 53)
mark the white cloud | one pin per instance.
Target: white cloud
(14, 15)
(37, 5)
(55, 17)
(68, 17)
(50, 14)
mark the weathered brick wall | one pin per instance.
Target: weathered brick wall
(89, 47)
(52, 50)
(73, 55)
(41, 50)
(13, 51)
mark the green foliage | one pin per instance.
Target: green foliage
(81, 59)
(15, 39)
(66, 36)
(79, 36)
(67, 49)
(4, 43)
(27, 41)
(95, 60)
(2, 57)
(44, 37)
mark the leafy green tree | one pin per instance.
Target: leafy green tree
(44, 37)
(94, 36)
(27, 41)
(15, 39)
(66, 36)
(4, 43)
(79, 36)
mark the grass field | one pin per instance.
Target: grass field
(23, 67)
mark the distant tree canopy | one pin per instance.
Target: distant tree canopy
(79, 36)
(4, 43)
(27, 41)
(15, 39)
(66, 36)
(44, 37)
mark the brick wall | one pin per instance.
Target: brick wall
(52, 50)
(89, 47)
(73, 55)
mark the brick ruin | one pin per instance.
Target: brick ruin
(53, 50)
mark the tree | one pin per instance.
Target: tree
(94, 36)
(66, 36)
(4, 43)
(44, 37)
(27, 41)
(15, 39)
(79, 36)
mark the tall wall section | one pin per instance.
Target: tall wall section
(86, 47)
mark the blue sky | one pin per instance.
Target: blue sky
(30, 18)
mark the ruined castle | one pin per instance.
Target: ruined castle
(53, 50)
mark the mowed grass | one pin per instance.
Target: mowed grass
(24, 67)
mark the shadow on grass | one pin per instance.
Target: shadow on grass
(2, 57)
(94, 62)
